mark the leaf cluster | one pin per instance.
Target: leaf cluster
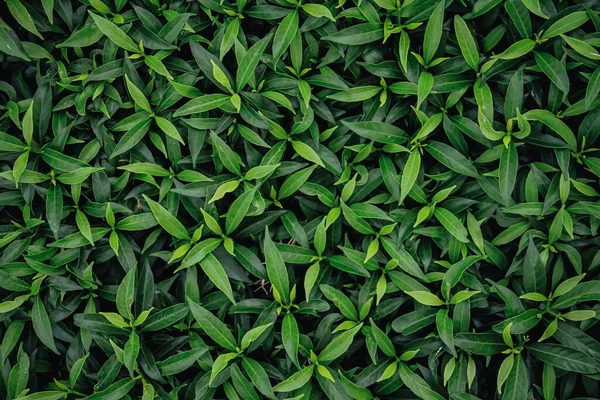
(284, 199)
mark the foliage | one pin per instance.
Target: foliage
(368, 199)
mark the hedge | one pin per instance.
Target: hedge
(278, 199)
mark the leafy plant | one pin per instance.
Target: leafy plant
(282, 199)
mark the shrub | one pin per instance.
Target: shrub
(281, 199)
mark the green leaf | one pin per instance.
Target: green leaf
(433, 32)
(84, 37)
(417, 384)
(78, 176)
(258, 376)
(202, 104)
(290, 336)
(115, 391)
(451, 158)
(114, 33)
(554, 123)
(216, 273)
(238, 210)
(45, 395)
(276, 269)
(9, 305)
(115, 319)
(550, 330)
(19, 374)
(137, 96)
(181, 361)
(213, 327)
(534, 7)
(131, 138)
(84, 226)
(564, 358)
(338, 346)
(285, 33)
(534, 271)
(48, 6)
(466, 42)
(514, 94)
(455, 273)
(451, 224)
(406, 260)
(220, 364)
(157, 66)
(261, 171)
(166, 317)
(426, 298)
(167, 221)
(358, 34)
(553, 70)
(28, 124)
(582, 47)
(341, 301)
(593, 88)
(567, 285)
(445, 329)
(566, 24)
(168, 128)
(250, 61)
(310, 278)
(253, 334)
(548, 382)
(228, 157)
(516, 50)
(11, 338)
(383, 342)
(306, 152)
(410, 173)
(125, 294)
(146, 168)
(20, 166)
(463, 295)
(579, 315)
(424, 87)
(519, 15)
(76, 369)
(41, 324)
(380, 132)
(318, 11)
(54, 208)
(199, 251)
(296, 380)
(220, 76)
(18, 10)
(355, 221)
(131, 351)
(507, 174)
(485, 344)
(356, 94)
(505, 369)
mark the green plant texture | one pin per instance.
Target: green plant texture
(286, 199)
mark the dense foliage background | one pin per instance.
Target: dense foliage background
(370, 199)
